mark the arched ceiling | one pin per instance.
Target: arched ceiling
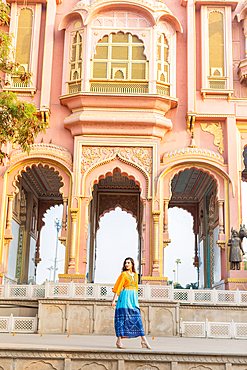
(44, 181)
(190, 185)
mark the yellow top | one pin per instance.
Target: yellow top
(126, 281)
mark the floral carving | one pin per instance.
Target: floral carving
(139, 155)
(216, 130)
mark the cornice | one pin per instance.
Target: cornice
(125, 355)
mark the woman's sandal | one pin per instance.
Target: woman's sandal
(145, 345)
(120, 346)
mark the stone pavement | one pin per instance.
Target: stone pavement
(164, 345)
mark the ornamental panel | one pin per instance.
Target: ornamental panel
(142, 156)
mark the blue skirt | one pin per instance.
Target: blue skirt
(128, 321)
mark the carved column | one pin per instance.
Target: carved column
(7, 236)
(221, 242)
(221, 217)
(73, 213)
(166, 204)
(64, 220)
(63, 236)
(156, 217)
(166, 239)
(9, 212)
(245, 34)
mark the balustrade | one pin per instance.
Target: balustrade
(161, 293)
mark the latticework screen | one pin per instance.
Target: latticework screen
(120, 57)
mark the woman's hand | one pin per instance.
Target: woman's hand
(113, 304)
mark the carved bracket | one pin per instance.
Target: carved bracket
(221, 244)
(216, 130)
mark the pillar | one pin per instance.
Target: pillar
(63, 236)
(72, 252)
(245, 34)
(156, 218)
(7, 235)
(222, 238)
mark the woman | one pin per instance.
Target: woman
(128, 322)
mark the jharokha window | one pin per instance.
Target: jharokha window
(162, 57)
(120, 57)
(23, 43)
(163, 66)
(216, 50)
(75, 73)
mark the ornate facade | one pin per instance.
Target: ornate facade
(146, 103)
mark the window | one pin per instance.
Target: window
(76, 58)
(216, 50)
(76, 62)
(23, 43)
(163, 67)
(120, 57)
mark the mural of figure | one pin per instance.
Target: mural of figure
(236, 250)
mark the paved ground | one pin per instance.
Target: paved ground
(171, 345)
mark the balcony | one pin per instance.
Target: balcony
(217, 87)
(118, 107)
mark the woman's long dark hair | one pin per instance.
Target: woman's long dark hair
(133, 264)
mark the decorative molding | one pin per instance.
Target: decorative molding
(216, 130)
(154, 278)
(142, 156)
(125, 355)
(188, 151)
(71, 276)
(235, 281)
(44, 150)
(221, 244)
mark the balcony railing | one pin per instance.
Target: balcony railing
(163, 88)
(104, 291)
(123, 87)
(218, 83)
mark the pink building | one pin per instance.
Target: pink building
(147, 107)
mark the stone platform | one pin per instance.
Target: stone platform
(94, 352)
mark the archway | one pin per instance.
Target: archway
(38, 188)
(115, 190)
(178, 257)
(117, 238)
(195, 191)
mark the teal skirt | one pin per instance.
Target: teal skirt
(128, 322)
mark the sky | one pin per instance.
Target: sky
(117, 239)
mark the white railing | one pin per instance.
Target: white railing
(161, 293)
(207, 329)
(11, 324)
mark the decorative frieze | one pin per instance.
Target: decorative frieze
(142, 156)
